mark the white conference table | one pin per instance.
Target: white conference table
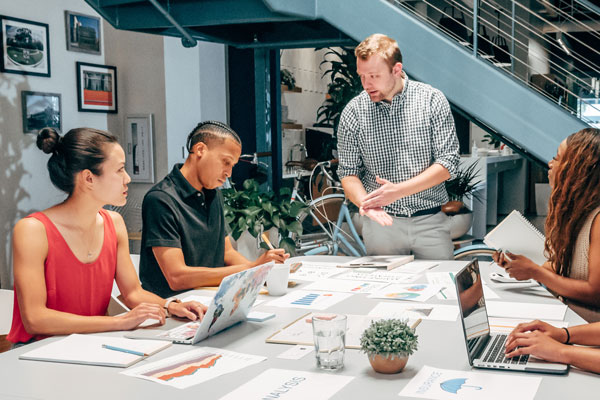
(441, 345)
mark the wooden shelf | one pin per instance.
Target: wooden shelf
(291, 126)
(296, 89)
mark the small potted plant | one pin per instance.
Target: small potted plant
(463, 185)
(388, 343)
(250, 212)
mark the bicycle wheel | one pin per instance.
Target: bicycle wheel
(318, 221)
(479, 251)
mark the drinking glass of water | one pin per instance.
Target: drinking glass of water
(330, 339)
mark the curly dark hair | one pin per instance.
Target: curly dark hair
(575, 195)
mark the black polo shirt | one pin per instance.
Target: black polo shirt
(175, 214)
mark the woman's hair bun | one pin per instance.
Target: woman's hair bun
(48, 140)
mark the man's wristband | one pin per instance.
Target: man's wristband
(168, 302)
(568, 336)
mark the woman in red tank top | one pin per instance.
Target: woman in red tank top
(67, 256)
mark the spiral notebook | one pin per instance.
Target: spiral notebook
(517, 235)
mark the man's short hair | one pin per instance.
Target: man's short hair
(380, 44)
(210, 131)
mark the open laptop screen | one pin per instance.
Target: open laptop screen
(472, 307)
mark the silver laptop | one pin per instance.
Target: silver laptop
(486, 349)
(231, 304)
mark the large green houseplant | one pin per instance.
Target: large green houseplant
(345, 85)
(256, 212)
(388, 343)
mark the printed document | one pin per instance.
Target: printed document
(312, 271)
(445, 384)
(312, 300)
(301, 332)
(436, 312)
(411, 292)
(285, 384)
(526, 310)
(346, 286)
(193, 367)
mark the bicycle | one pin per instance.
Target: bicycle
(474, 250)
(331, 238)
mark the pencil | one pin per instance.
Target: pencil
(137, 353)
(265, 238)
(416, 323)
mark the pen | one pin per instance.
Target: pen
(137, 353)
(265, 238)
(362, 264)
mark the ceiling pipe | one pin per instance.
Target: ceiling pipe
(187, 40)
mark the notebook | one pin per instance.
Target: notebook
(87, 349)
(517, 235)
(389, 262)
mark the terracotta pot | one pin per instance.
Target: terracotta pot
(452, 207)
(392, 364)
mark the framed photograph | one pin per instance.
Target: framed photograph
(96, 88)
(25, 47)
(83, 33)
(40, 110)
(139, 147)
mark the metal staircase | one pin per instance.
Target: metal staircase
(501, 96)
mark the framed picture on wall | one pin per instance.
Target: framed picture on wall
(96, 88)
(83, 33)
(40, 110)
(25, 47)
(139, 147)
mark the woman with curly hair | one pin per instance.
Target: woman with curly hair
(572, 271)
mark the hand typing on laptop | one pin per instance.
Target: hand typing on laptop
(539, 339)
(192, 310)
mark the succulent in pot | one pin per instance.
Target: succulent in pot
(388, 343)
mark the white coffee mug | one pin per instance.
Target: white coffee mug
(277, 281)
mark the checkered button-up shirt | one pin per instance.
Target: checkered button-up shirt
(399, 140)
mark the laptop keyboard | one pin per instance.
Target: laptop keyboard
(496, 354)
(183, 332)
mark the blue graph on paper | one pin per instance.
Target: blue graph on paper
(307, 300)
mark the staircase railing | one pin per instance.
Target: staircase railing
(552, 47)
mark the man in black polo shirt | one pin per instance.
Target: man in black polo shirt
(184, 243)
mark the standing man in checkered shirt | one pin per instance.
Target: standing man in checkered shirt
(397, 145)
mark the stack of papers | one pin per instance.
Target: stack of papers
(389, 262)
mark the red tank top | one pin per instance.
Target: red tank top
(72, 286)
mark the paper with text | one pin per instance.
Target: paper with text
(290, 385)
(376, 275)
(312, 271)
(443, 384)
